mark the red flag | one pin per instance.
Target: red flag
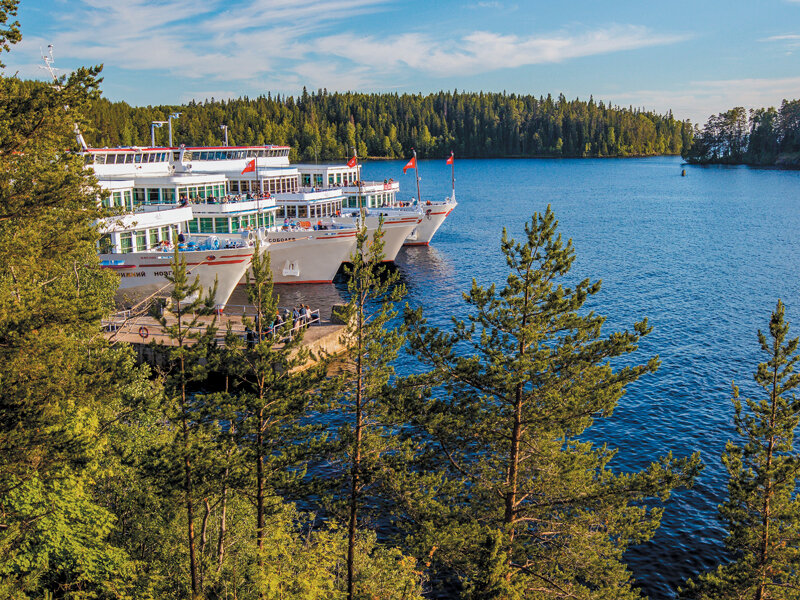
(450, 160)
(412, 164)
(352, 162)
(250, 167)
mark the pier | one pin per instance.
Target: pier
(321, 337)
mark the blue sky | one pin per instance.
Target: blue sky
(694, 57)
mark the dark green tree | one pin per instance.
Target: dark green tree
(366, 440)
(188, 341)
(272, 387)
(762, 510)
(539, 513)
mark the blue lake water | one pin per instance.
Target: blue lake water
(705, 257)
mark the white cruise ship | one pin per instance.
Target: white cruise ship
(163, 178)
(305, 194)
(139, 247)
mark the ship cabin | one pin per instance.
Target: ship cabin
(367, 194)
(263, 181)
(141, 231)
(116, 162)
(213, 159)
(235, 214)
(309, 205)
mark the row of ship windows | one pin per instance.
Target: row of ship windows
(231, 224)
(314, 211)
(129, 158)
(273, 185)
(138, 241)
(369, 201)
(333, 179)
(234, 154)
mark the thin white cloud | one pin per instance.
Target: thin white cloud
(285, 44)
(484, 51)
(782, 38)
(701, 99)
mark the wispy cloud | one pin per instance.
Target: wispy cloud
(285, 44)
(483, 51)
(698, 100)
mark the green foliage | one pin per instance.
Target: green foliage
(61, 385)
(767, 137)
(762, 510)
(366, 440)
(325, 126)
(530, 377)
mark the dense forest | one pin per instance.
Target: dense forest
(327, 125)
(765, 136)
(227, 471)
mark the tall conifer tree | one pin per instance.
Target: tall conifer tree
(539, 513)
(763, 509)
(373, 346)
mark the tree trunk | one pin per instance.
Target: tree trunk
(356, 465)
(766, 509)
(260, 494)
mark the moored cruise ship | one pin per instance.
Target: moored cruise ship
(163, 178)
(295, 186)
(266, 171)
(140, 246)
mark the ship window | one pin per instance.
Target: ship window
(318, 179)
(129, 158)
(105, 244)
(137, 158)
(168, 195)
(152, 196)
(153, 237)
(306, 180)
(338, 178)
(126, 242)
(303, 212)
(99, 159)
(206, 225)
(330, 179)
(193, 226)
(221, 225)
(141, 240)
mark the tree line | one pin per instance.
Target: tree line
(327, 126)
(764, 136)
(227, 472)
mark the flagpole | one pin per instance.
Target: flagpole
(416, 173)
(453, 174)
(260, 191)
(360, 198)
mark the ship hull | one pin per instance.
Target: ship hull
(308, 256)
(435, 214)
(395, 230)
(145, 273)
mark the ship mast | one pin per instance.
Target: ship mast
(48, 66)
(416, 174)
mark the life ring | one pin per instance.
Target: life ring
(143, 333)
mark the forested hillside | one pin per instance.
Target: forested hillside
(327, 125)
(765, 136)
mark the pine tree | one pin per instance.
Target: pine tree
(270, 392)
(762, 510)
(366, 439)
(189, 340)
(539, 513)
(61, 384)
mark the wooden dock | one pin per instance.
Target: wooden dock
(321, 337)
